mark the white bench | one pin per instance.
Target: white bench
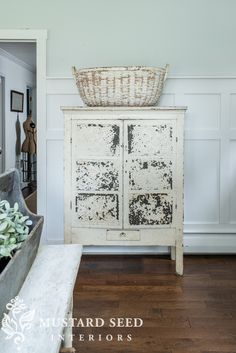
(47, 295)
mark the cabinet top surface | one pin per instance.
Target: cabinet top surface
(81, 108)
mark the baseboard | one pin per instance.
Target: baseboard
(193, 244)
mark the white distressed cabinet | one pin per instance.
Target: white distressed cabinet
(124, 177)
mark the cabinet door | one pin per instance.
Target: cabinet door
(149, 168)
(96, 173)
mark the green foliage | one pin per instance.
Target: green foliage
(14, 228)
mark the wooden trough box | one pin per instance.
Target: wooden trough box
(14, 274)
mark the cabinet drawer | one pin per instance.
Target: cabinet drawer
(123, 235)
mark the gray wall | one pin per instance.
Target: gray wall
(197, 37)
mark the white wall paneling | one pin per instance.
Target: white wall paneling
(54, 197)
(202, 191)
(232, 184)
(210, 162)
(233, 111)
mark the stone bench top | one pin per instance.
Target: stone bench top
(46, 297)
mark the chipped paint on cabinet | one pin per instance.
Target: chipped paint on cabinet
(150, 209)
(149, 170)
(105, 139)
(96, 174)
(96, 209)
(150, 140)
(150, 175)
(124, 175)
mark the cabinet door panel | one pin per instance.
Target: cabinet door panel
(96, 138)
(150, 140)
(96, 209)
(149, 173)
(96, 173)
(150, 209)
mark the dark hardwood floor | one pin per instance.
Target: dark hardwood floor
(195, 313)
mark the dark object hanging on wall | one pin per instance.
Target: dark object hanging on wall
(18, 136)
(29, 101)
(17, 101)
(29, 149)
(18, 143)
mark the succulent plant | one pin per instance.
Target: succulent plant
(14, 228)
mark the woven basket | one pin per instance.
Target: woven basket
(120, 86)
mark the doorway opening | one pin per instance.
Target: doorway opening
(2, 123)
(18, 65)
(37, 37)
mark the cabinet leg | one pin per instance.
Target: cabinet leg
(172, 252)
(179, 258)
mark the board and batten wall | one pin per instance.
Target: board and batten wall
(210, 160)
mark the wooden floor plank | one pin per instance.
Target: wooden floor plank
(192, 314)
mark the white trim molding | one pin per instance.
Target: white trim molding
(17, 61)
(193, 244)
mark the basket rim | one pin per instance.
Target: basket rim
(121, 68)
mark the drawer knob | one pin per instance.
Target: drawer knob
(122, 235)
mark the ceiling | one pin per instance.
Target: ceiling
(23, 51)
